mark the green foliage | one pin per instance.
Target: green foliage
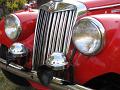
(9, 6)
(13, 5)
(1, 1)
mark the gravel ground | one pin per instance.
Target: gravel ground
(7, 85)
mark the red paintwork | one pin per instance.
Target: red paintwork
(86, 67)
(29, 44)
(28, 22)
(38, 86)
(104, 11)
(3, 38)
(99, 3)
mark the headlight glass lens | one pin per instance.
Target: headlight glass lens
(87, 36)
(12, 26)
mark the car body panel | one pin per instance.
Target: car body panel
(28, 22)
(99, 3)
(85, 67)
(107, 60)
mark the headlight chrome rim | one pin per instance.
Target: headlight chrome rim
(100, 29)
(18, 27)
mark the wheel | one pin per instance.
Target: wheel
(109, 81)
(110, 87)
(10, 76)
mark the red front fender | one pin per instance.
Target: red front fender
(89, 67)
(28, 22)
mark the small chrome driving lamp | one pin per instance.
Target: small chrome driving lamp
(57, 61)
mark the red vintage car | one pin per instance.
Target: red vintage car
(62, 45)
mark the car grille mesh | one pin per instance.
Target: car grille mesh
(53, 34)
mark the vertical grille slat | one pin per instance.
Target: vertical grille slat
(66, 31)
(53, 33)
(38, 34)
(47, 36)
(46, 17)
(68, 27)
(71, 27)
(63, 28)
(60, 32)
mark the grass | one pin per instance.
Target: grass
(5, 84)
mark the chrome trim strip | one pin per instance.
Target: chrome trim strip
(34, 41)
(81, 7)
(56, 83)
(102, 7)
(57, 6)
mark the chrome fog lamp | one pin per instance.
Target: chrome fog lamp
(18, 50)
(88, 36)
(57, 61)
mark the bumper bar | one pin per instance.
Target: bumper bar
(56, 83)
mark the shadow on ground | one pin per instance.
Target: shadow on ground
(7, 85)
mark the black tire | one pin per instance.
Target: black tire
(109, 81)
(10, 76)
(111, 86)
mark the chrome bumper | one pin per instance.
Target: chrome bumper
(56, 83)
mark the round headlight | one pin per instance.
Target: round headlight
(12, 26)
(88, 36)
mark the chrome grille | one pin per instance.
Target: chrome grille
(53, 34)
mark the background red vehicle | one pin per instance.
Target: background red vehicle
(63, 45)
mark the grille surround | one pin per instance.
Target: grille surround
(53, 31)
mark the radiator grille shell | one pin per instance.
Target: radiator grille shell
(53, 31)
